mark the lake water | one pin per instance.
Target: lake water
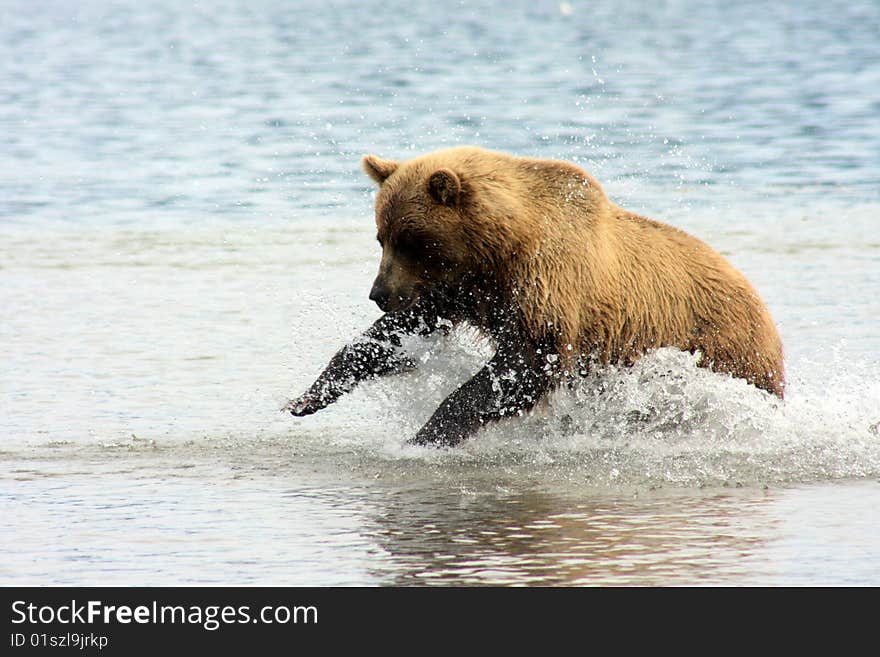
(186, 237)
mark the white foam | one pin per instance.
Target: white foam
(663, 421)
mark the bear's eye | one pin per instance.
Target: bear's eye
(419, 248)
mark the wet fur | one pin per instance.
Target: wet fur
(533, 253)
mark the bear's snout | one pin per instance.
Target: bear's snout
(390, 299)
(380, 294)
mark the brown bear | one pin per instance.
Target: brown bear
(533, 254)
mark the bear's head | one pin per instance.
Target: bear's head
(420, 221)
(496, 237)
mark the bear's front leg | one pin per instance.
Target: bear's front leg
(505, 386)
(364, 359)
(377, 352)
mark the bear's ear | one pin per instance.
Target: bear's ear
(444, 187)
(377, 168)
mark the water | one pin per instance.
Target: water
(186, 238)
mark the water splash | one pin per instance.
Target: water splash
(662, 422)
